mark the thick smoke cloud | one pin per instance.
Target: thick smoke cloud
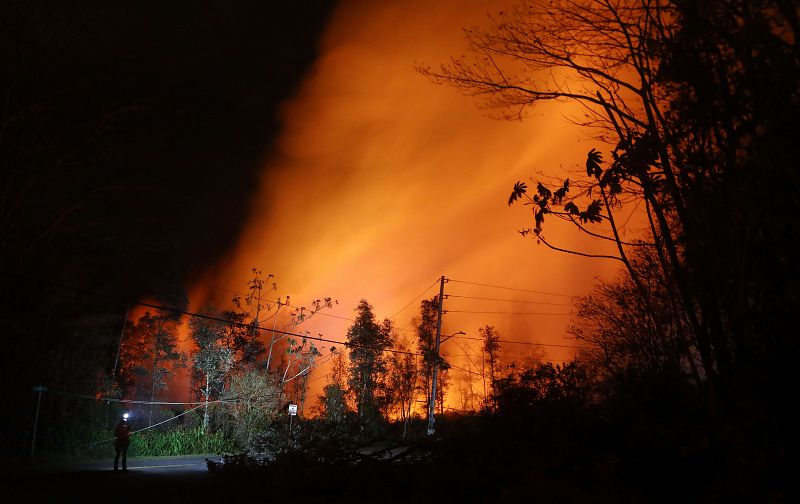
(382, 181)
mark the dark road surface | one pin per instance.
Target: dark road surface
(151, 465)
(188, 480)
(151, 480)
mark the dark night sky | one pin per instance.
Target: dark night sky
(169, 109)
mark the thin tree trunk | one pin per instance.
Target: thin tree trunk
(483, 374)
(152, 392)
(205, 412)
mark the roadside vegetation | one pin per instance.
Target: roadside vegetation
(681, 390)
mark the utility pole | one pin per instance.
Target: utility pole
(432, 402)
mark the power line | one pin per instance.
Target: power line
(417, 297)
(288, 333)
(512, 288)
(321, 361)
(232, 399)
(405, 327)
(126, 401)
(471, 311)
(467, 355)
(333, 316)
(528, 343)
(509, 300)
(218, 319)
(145, 428)
(322, 313)
(464, 370)
(279, 303)
(506, 313)
(173, 418)
(353, 320)
(319, 377)
(280, 331)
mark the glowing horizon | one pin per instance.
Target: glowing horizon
(381, 182)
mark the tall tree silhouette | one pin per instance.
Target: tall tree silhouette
(698, 102)
(367, 341)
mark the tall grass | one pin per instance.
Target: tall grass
(179, 441)
(89, 435)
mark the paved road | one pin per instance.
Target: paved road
(186, 480)
(148, 480)
(151, 465)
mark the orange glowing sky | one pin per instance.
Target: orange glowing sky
(382, 181)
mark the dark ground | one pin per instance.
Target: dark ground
(162, 479)
(478, 472)
(186, 479)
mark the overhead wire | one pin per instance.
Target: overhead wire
(108, 440)
(175, 417)
(506, 313)
(507, 300)
(280, 331)
(322, 339)
(125, 401)
(322, 313)
(533, 343)
(530, 343)
(319, 377)
(415, 298)
(463, 369)
(278, 301)
(466, 354)
(315, 338)
(511, 288)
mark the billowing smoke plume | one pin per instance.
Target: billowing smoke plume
(382, 181)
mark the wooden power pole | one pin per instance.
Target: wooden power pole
(432, 402)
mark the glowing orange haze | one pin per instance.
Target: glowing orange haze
(382, 181)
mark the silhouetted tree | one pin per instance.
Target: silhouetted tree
(297, 315)
(522, 389)
(697, 103)
(732, 117)
(301, 358)
(367, 341)
(252, 309)
(333, 401)
(401, 380)
(253, 399)
(160, 334)
(491, 348)
(697, 100)
(212, 360)
(615, 323)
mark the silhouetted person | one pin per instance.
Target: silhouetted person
(123, 434)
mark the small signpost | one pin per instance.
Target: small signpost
(292, 413)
